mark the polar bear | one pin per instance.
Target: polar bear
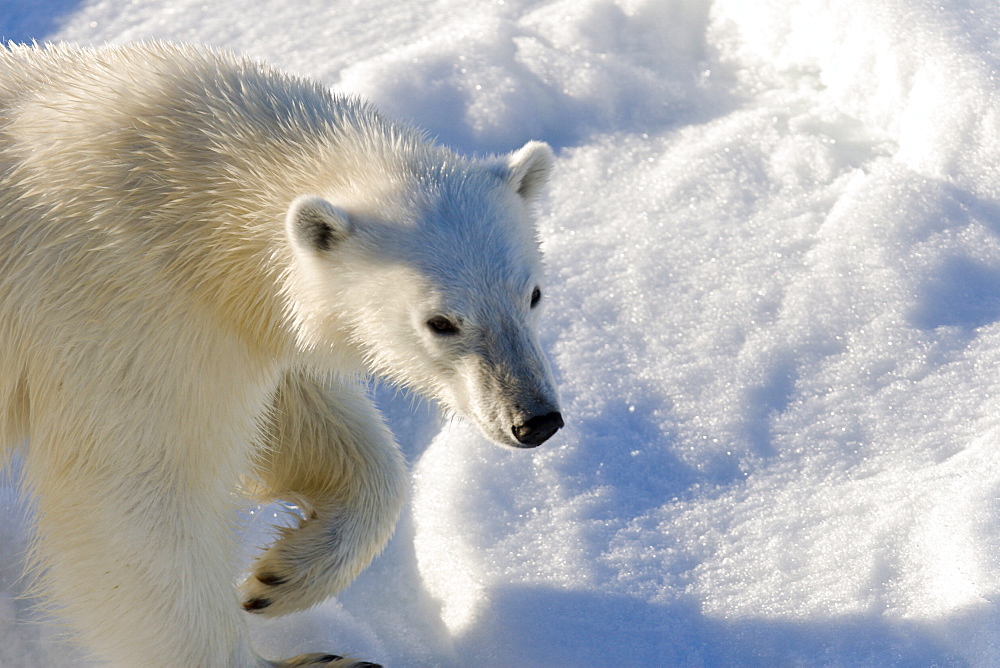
(199, 259)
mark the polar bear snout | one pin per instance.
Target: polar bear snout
(538, 429)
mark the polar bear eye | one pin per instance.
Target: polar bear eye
(442, 326)
(536, 296)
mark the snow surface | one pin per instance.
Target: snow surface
(774, 247)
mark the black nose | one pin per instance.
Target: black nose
(538, 429)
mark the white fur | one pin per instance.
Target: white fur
(198, 255)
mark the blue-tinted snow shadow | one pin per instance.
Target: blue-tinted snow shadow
(959, 290)
(627, 450)
(25, 22)
(532, 106)
(414, 420)
(766, 399)
(541, 626)
(562, 122)
(963, 293)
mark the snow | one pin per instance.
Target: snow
(773, 240)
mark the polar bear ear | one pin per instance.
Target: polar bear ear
(529, 169)
(315, 225)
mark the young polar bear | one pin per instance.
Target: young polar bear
(198, 257)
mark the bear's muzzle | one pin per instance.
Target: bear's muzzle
(538, 429)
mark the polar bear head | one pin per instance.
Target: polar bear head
(425, 267)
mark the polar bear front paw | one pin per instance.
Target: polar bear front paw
(269, 594)
(307, 565)
(261, 590)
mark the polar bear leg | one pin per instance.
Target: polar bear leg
(330, 452)
(140, 561)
